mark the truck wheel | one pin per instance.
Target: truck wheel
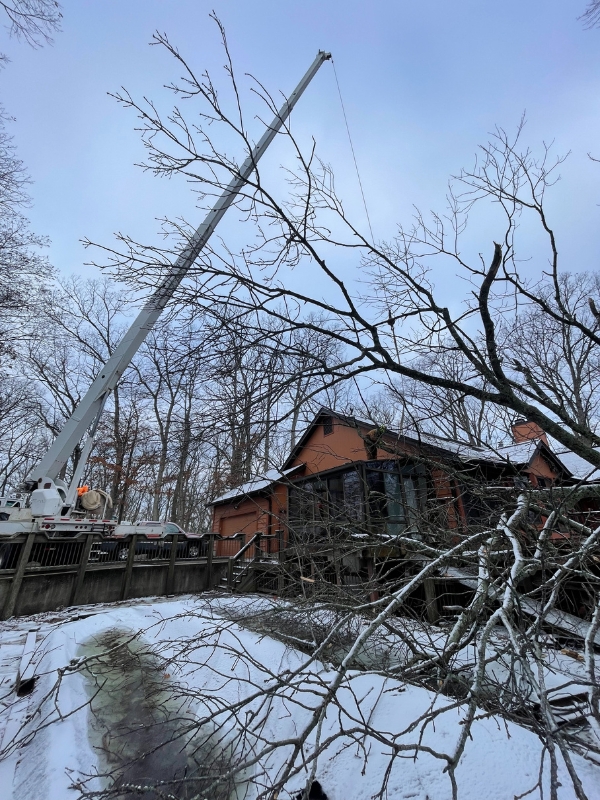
(194, 551)
(123, 553)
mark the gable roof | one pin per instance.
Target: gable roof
(257, 484)
(322, 412)
(515, 455)
(579, 468)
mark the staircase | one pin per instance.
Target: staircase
(236, 575)
(242, 567)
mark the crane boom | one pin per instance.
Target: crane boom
(90, 407)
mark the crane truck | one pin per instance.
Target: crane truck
(51, 506)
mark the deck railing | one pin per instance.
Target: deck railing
(72, 571)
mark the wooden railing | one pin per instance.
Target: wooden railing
(38, 573)
(258, 548)
(93, 569)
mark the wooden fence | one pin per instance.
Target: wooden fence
(41, 574)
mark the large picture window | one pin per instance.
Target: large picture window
(390, 500)
(396, 495)
(327, 505)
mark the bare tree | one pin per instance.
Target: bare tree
(34, 21)
(308, 355)
(446, 412)
(267, 721)
(393, 318)
(24, 272)
(76, 332)
(168, 369)
(591, 16)
(23, 435)
(362, 556)
(564, 359)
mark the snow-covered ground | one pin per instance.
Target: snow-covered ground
(199, 663)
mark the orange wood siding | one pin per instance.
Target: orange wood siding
(345, 445)
(539, 467)
(443, 489)
(250, 515)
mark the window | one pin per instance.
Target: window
(376, 494)
(395, 507)
(306, 505)
(353, 497)
(170, 527)
(327, 426)
(334, 504)
(326, 506)
(335, 486)
(396, 495)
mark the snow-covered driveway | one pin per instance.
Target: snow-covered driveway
(196, 664)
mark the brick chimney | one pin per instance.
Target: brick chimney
(523, 430)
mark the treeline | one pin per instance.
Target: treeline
(209, 401)
(216, 397)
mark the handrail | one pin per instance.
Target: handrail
(256, 537)
(258, 553)
(255, 540)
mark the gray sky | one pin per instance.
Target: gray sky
(423, 82)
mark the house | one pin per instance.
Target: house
(258, 506)
(356, 506)
(345, 474)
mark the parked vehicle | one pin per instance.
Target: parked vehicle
(150, 545)
(155, 541)
(8, 503)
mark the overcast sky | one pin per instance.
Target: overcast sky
(423, 83)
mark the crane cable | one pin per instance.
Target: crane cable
(352, 149)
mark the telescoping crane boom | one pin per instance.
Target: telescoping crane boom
(49, 494)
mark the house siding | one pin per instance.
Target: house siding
(341, 445)
(264, 514)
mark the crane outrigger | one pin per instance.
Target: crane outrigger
(51, 505)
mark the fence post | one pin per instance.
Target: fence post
(173, 556)
(76, 593)
(230, 574)
(11, 600)
(281, 559)
(431, 600)
(209, 562)
(257, 550)
(129, 567)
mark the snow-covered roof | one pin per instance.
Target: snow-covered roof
(257, 484)
(578, 466)
(515, 453)
(521, 453)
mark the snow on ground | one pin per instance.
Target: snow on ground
(210, 662)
